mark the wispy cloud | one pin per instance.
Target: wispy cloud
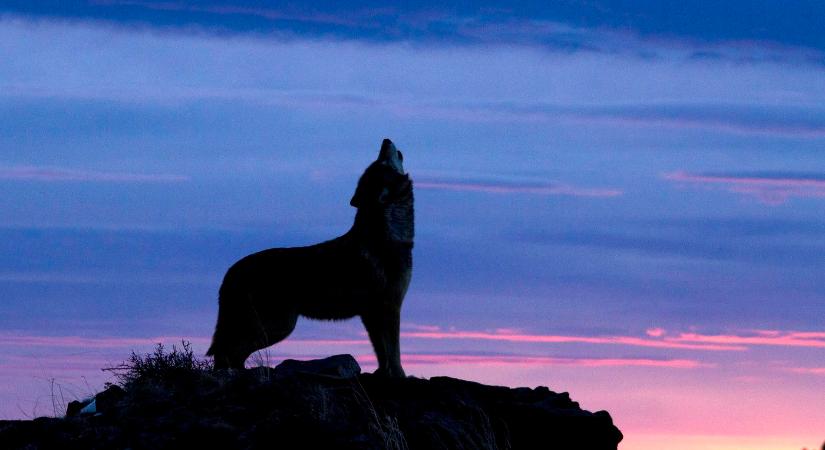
(757, 120)
(14, 340)
(77, 364)
(617, 92)
(764, 242)
(86, 342)
(509, 360)
(565, 339)
(808, 370)
(609, 27)
(757, 338)
(655, 332)
(61, 352)
(48, 173)
(745, 120)
(420, 327)
(773, 188)
(656, 338)
(236, 10)
(806, 122)
(513, 187)
(62, 365)
(74, 278)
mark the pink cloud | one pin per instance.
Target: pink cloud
(547, 361)
(96, 343)
(655, 332)
(657, 338)
(34, 173)
(127, 343)
(772, 190)
(62, 365)
(764, 337)
(75, 365)
(562, 339)
(514, 188)
(531, 361)
(808, 370)
(419, 327)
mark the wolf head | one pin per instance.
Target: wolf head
(384, 182)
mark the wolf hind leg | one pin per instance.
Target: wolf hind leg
(260, 333)
(270, 327)
(276, 328)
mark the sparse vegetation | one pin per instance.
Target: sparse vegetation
(385, 426)
(58, 399)
(160, 366)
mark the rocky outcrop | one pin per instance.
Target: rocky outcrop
(320, 404)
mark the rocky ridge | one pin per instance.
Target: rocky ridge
(325, 403)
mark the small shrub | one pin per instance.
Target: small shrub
(161, 366)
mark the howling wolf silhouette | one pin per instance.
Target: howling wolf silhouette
(363, 273)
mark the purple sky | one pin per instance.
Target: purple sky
(630, 211)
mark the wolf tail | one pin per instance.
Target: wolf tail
(215, 347)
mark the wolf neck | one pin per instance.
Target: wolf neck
(392, 224)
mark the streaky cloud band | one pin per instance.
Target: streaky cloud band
(698, 32)
(758, 338)
(563, 339)
(498, 360)
(787, 121)
(49, 173)
(772, 188)
(495, 187)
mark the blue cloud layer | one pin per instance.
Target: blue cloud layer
(568, 24)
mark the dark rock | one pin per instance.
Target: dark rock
(320, 404)
(340, 366)
(106, 401)
(75, 406)
(103, 402)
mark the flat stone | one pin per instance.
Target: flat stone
(338, 366)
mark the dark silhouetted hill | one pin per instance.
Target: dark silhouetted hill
(179, 402)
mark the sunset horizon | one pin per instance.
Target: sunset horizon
(617, 200)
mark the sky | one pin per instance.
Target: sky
(621, 200)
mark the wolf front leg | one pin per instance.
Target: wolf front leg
(383, 327)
